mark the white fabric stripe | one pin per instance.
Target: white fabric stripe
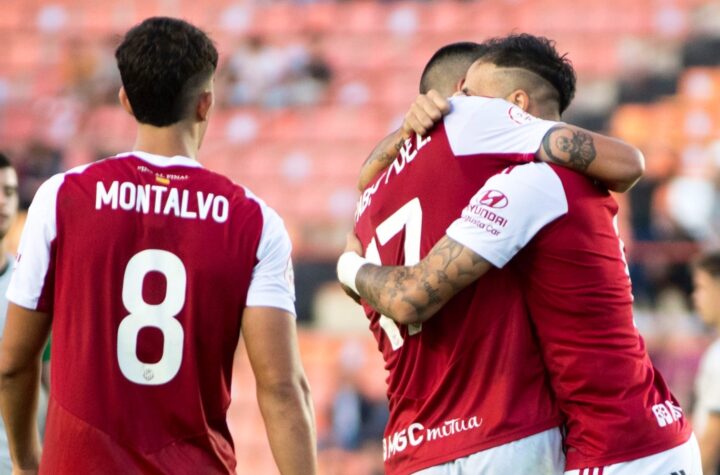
(272, 283)
(162, 161)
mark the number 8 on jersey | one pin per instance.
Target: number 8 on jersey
(161, 316)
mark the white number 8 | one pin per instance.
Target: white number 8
(161, 316)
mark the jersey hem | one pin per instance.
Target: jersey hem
(469, 450)
(574, 462)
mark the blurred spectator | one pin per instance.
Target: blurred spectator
(706, 416)
(260, 74)
(89, 71)
(357, 419)
(34, 165)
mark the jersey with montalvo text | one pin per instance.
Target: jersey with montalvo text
(146, 264)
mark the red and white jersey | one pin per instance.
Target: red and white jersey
(575, 279)
(146, 264)
(471, 377)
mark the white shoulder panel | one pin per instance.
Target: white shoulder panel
(33, 256)
(509, 210)
(273, 281)
(480, 125)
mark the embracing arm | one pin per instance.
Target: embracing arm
(425, 112)
(26, 332)
(380, 158)
(614, 163)
(413, 294)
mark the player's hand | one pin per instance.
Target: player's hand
(426, 111)
(353, 244)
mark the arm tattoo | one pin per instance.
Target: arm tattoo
(421, 290)
(573, 148)
(384, 157)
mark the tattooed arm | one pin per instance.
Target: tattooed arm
(380, 158)
(425, 112)
(614, 163)
(413, 294)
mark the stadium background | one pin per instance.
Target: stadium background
(307, 88)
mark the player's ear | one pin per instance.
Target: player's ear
(520, 98)
(205, 103)
(459, 85)
(124, 101)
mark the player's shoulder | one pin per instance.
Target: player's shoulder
(482, 125)
(577, 184)
(711, 359)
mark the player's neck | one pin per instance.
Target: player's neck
(178, 139)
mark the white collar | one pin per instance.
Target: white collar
(161, 160)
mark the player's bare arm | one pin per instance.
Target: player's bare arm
(412, 294)
(616, 164)
(710, 443)
(283, 392)
(424, 113)
(26, 333)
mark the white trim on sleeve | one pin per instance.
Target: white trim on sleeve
(272, 283)
(509, 210)
(481, 125)
(33, 258)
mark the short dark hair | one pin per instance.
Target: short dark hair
(538, 55)
(449, 64)
(709, 263)
(5, 161)
(162, 62)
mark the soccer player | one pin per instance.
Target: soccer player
(459, 369)
(8, 213)
(706, 416)
(148, 266)
(620, 416)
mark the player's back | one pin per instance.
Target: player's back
(153, 263)
(575, 279)
(470, 378)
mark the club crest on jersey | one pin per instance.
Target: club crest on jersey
(494, 199)
(519, 116)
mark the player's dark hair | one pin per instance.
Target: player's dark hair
(538, 55)
(709, 263)
(448, 65)
(5, 161)
(162, 62)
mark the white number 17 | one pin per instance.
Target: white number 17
(409, 218)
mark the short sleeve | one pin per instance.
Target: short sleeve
(34, 251)
(272, 283)
(509, 210)
(481, 125)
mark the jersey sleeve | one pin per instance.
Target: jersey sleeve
(509, 210)
(272, 283)
(34, 251)
(481, 125)
(711, 377)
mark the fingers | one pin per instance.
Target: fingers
(440, 102)
(424, 113)
(353, 244)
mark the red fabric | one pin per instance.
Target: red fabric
(121, 426)
(477, 357)
(579, 294)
